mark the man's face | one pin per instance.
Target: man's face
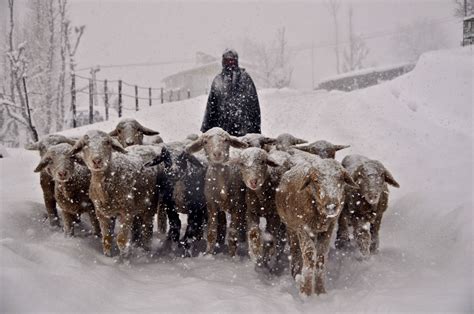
(229, 63)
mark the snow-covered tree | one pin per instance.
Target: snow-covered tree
(333, 7)
(414, 39)
(357, 50)
(463, 8)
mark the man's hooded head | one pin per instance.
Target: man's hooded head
(230, 60)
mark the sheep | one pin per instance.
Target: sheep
(323, 149)
(130, 132)
(71, 188)
(120, 187)
(223, 188)
(257, 171)
(184, 191)
(309, 200)
(46, 181)
(364, 207)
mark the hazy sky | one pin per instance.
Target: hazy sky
(124, 32)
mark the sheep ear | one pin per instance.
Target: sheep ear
(118, 147)
(195, 146)
(114, 132)
(272, 163)
(309, 177)
(166, 157)
(77, 147)
(300, 141)
(42, 164)
(33, 146)
(147, 131)
(305, 148)
(339, 147)
(390, 180)
(348, 179)
(235, 142)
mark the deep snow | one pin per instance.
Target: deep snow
(419, 126)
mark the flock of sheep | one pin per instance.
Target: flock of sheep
(300, 190)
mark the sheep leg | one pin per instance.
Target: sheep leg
(147, 229)
(237, 221)
(195, 222)
(136, 230)
(362, 235)
(106, 226)
(342, 237)
(162, 220)
(221, 227)
(308, 251)
(124, 235)
(47, 185)
(94, 223)
(254, 238)
(296, 263)
(323, 241)
(374, 231)
(277, 230)
(68, 220)
(212, 228)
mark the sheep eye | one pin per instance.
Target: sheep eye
(119, 131)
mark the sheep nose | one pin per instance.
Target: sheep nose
(61, 174)
(217, 154)
(129, 142)
(97, 161)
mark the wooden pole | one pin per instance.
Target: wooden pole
(189, 93)
(136, 98)
(161, 95)
(179, 94)
(30, 122)
(91, 101)
(149, 95)
(120, 98)
(73, 100)
(171, 95)
(106, 100)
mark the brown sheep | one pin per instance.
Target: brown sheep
(257, 140)
(46, 181)
(130, 132)
(72, 179)
(120, 187)
(364, 206)
(323, 149)
(309, 200)
(284, 141)
(224, 189)
(261, 180)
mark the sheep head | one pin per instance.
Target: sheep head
(216, 143)
(323, 187)
(253, 163)
(257, 140)
(323, 149)
(285, 140)
(48, 141)
(371, 177)
(130, 132)
(58, 163)
(97, 147)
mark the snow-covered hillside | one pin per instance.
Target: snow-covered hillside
(419, 125)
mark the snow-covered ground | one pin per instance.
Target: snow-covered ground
(419, 125)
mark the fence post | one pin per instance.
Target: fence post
(120, 98)
(189, 93)
(91, 102)
(136, 98)
(162, 100)
(33, 129)
(179, 94)
(106, 100)
(73, 99)
(149, 95)
(171, 95)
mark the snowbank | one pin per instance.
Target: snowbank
(419, 125)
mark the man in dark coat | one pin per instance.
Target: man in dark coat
(233, 102)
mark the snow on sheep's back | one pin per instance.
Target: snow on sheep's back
(419, 126)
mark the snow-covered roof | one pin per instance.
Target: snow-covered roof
(469, 17)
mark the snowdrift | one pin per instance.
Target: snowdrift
(419, 125)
